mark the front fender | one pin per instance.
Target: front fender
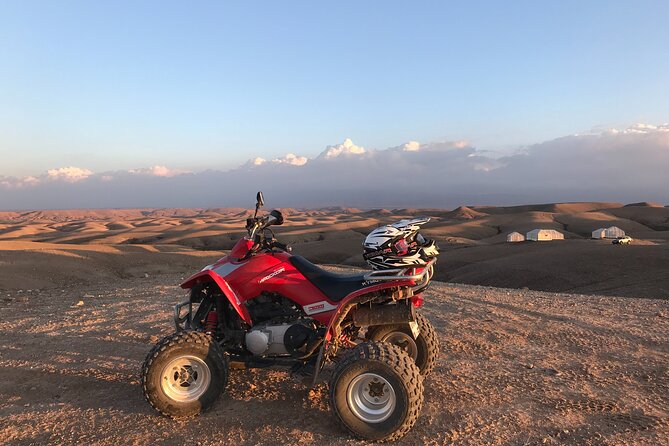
(211, 276)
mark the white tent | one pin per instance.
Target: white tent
(541, 235)
(515, 237)
(614, 232)
(599, 233)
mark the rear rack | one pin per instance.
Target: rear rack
(396, 274)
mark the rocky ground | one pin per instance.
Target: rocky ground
(517, 367)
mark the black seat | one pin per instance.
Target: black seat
(334, 286)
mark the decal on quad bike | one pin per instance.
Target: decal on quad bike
(225, 269)
(318, 307)
(272, 274)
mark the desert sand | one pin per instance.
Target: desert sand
(84, 295)
(516, 367)
(473, 240)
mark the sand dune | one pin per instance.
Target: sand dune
(656, 218)
(473, 239)
(645, 203)
(31, 265)
(464, 213)
(550, 207)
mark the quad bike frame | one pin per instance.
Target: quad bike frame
(401, 284)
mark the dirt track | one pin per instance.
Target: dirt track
(517, 367)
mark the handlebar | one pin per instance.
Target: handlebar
(255, 227)
(282, 246)
(255, 224)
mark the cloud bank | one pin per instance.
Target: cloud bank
(619, 165)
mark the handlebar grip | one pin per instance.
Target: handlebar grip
(283, 246)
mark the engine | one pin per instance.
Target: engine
(299, 339)
(282, 328)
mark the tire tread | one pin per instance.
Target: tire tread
(428, 333)
(180, 337)
(401, 363)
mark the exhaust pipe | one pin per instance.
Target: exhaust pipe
(384, 314)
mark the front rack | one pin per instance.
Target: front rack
(396, 274)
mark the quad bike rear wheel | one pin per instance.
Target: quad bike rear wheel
(184, 374)
(376, 391)
(424, 349)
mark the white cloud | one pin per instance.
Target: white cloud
(291, 159)
(162, 171)
(445, 146)
(411, 146)
(623, 165)
(70, 174)
(437, 146)
(257, 161)
(346, 148)
(640, 128)
(158, 171)
(647, 128)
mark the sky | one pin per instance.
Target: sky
(153, 89)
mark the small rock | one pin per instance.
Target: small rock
(33, 388)
(146, 275)
(80, 303)
(659, 314)
(529, 366)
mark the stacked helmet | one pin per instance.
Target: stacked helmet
(399, 245)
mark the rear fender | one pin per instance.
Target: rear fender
(356, 297)
(346, 304)
(211, 276)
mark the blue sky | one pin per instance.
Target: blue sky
(198, 85)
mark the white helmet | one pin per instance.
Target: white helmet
(399, 245)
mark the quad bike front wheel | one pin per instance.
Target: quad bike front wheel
(376, 391)
(424, 349)
(184, 374)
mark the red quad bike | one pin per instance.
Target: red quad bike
(261, 306)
